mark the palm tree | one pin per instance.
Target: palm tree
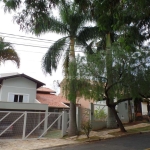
(70, 23)
(7, 52)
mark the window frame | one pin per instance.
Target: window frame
(22, 94)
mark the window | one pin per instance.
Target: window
(18, 98)
(21, 98)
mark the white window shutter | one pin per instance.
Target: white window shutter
(11, 97)
(25, 98)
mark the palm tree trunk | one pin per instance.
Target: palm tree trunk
(72, 90)
(72, 120)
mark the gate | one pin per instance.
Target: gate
(17, 124)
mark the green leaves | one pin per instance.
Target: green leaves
(129, 74)
(52, 57)
(7, 52)
(11, 4)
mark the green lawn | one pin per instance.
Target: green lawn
(131, 131)
(53, 134)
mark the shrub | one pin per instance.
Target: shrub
(99, 114)
(86, 127)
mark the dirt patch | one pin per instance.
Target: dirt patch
(31, 144)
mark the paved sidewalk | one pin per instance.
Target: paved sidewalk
(32, 144)
(105, 134)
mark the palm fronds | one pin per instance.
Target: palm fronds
(7, 52)
(52, 57)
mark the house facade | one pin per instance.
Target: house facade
(18, 92)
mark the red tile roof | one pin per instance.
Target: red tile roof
(52, 100)
(44, 89)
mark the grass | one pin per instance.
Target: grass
(92, 138)
(131, 131)
(53, 134)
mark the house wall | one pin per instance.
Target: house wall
(144, 108)
(18, 85)
(123, 112)
(23, 106)
(84, 103)
(122, 109)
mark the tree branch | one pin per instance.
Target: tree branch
(122, 100)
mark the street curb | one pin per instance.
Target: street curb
(145, 131)
(90, 141)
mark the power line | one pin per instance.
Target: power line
(28, 45)
(28, 37)
(36, 46)
(36, 40)
(32, 38)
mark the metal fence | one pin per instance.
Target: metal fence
(30, 124)
(100, 112)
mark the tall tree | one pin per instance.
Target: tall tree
(71, 22)
(36, 17)
(129, 74)
(7, 52)
(121, 18)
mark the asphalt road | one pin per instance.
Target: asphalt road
(131, 142)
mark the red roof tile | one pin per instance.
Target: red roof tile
(44, 89)
(52, 100)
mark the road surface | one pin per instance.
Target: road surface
(131, 142)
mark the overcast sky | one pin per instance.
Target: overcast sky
(30, 56)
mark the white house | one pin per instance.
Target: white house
(18, 92)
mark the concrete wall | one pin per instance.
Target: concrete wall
(144, 108)
(123, 112)
(22, 106)
(18, 85)
(97, 125)
(84, 103)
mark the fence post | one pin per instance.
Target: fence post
(46, 121)
(64, 123)
(79, 118)
(24, 125)
(59, 123)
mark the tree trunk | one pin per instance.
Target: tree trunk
(72, 120)
(130, 111)
(72, 90)
(118, 119)
(111, 120)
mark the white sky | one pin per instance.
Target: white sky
(30, 56)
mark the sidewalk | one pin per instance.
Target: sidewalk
(32, 144)
(105, 134)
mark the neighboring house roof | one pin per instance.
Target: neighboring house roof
(45, 90)
(8, 76)
(52, 100)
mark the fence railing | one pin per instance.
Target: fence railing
(100, 112)
(16, 124)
